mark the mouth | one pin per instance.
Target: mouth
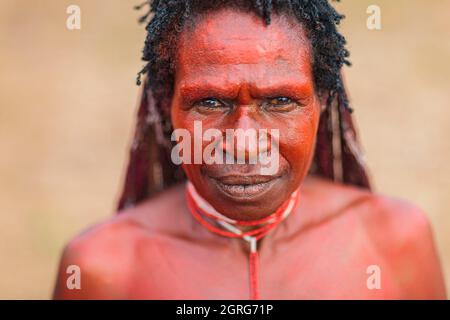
(241, 187)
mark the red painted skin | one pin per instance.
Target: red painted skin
(157, 250)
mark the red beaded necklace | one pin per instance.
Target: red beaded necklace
(201, 210)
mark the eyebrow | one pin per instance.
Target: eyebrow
(284, 88)
(297, 89)
(191, 92)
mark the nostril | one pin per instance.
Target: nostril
(245, 146)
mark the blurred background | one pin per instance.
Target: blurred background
(68, 103)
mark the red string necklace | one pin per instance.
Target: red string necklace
(200, 209)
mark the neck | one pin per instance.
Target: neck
(225, 226)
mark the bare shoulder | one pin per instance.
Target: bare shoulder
(396, 218)
(394, 223)
(400, 232)
(106, 253)
(403, 235)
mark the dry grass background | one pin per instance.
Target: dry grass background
(67, 107)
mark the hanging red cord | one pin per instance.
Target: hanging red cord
(201, 209)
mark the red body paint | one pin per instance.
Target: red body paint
(157, 250)
(242, 63)
(199, 208)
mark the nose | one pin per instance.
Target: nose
(245, 139)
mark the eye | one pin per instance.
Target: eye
(280, 104)
(211, 103)
(280, 101)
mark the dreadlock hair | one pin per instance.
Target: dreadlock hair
(150, 169)
(318, 16)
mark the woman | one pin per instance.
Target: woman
(311, 229)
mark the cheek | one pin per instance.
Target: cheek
(180, 121)
(297, 142)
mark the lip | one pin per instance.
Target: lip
(244, 188)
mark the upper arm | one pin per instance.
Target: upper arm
(419, 267)
(95, 262)
(409, 248)
(68, 282)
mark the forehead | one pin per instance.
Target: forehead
(240, 44)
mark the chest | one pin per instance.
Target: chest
(316, 266)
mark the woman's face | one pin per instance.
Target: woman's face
(234, 72)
